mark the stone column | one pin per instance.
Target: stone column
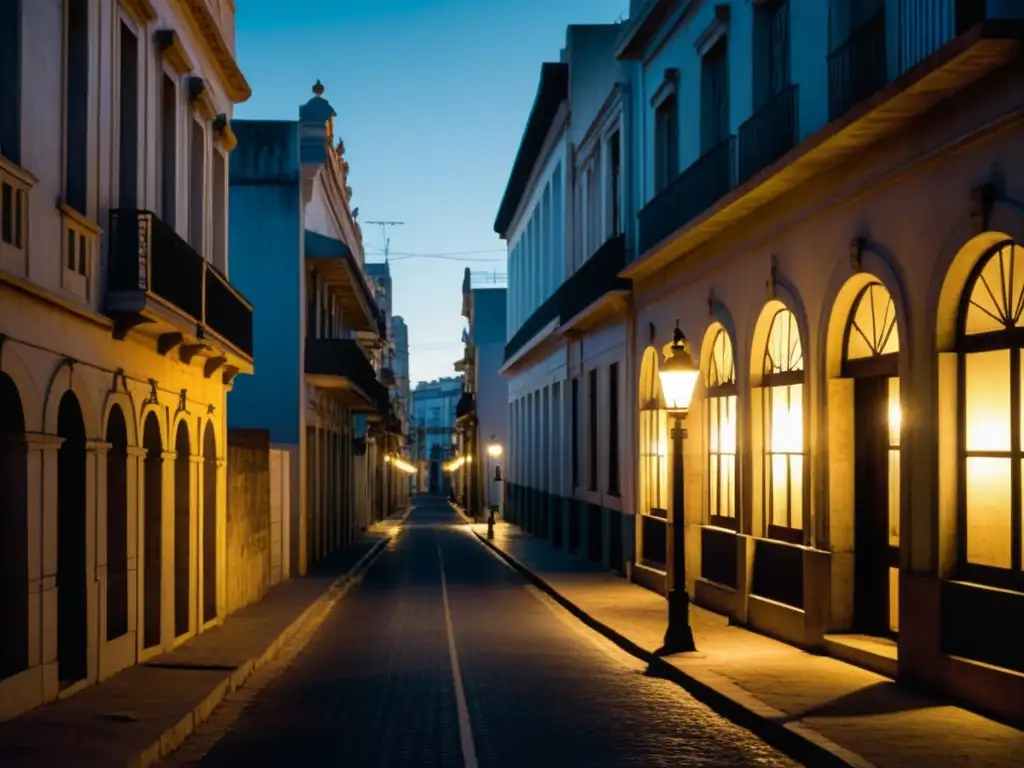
(167, 459)
(195, 602)
(135, 508)
(222, 537)
(95, 553)
(42, 536)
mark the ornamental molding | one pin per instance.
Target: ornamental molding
(140, 11)
(168, 42)
(207, 32)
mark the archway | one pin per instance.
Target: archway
(182, 526)
(720, 398)
(117, 524)
(72, 626)
(13, 532)
(870, 358)
(153, 534)
(652, 502)
(209, 524)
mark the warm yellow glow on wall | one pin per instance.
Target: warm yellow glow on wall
(988, 400)
(455, 464)
(787, 425)
(494, 450)
(403, 465)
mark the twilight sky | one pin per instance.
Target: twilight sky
(432, 97)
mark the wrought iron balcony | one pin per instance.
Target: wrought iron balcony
(341, 366)
(858, 69)
(466, 406)
(157, 280)
(387, 377)
(695, 190)
(769, 133)
(596, 278)
(547, 312)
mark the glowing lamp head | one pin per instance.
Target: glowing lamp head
(494, 450)
(678, 374)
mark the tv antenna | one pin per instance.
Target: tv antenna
(384, 233)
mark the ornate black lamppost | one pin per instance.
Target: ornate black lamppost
(678, 377)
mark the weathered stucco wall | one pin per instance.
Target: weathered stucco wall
(248, 517)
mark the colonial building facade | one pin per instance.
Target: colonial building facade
(120, 334)
(300, 252)
(835, 227)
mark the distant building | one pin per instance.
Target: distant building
(433, 424)
(322, 334)
(482, 414)
(400, 334)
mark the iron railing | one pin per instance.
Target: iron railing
(535, 323)
(695, 190)
(344, 358)
(769, 133)
(148, 256)
(597, 276)
(858, 69)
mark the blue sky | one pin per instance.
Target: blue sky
(432, 97)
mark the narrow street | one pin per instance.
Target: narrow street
(444, 656)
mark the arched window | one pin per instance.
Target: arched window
(653, 470)
(720, 391)
(784, 467)
(991, 339)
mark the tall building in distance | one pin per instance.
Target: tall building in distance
(400, 334)
(434, 404)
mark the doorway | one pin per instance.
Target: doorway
(875, 554)
(182, 527)
(72, 627)
(152, 532)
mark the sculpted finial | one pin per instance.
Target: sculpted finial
(318, 88)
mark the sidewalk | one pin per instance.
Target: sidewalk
(821, 710)
(148, 710)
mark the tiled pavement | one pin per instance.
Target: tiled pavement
(121, 721)
(863, 718)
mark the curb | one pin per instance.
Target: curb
(796, 739)
(172, 738)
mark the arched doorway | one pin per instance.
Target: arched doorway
(720, 398)
(209, 525)
(13, 532)
(117, 524)
(870, 358)
(182, 521)
(153, 535)
(72, 627)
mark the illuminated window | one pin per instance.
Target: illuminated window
(991, 342)
(653, 441)
(720, 390)
(784, 464)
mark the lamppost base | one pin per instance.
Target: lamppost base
(679, 634)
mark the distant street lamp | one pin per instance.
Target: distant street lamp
(678, 378)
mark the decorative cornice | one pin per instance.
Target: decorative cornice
(225, 134)
(141, 11)
(173, 52)
(199, 98)
(209, 36)
(714, 32)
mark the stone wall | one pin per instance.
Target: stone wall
(248, 518)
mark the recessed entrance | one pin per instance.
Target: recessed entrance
(13, 532)
(871, 346)
(117, 524)
(152, 531)
(182, 520)
(72, 627)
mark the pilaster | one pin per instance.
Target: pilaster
(167, 459)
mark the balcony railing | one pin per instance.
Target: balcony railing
(927, 25)
(769, 133)
(535, 323)
(858, 69)
(695, 190)
(597, 276)
(147, 256)
(344, 359)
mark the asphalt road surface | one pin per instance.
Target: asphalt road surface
(445, 656)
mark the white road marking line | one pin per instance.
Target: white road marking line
(465, 726)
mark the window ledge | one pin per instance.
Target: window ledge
(80, 221)
(18, 174)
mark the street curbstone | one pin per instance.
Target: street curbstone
(171, 739)
(796, 739)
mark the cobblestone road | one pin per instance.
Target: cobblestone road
(375, 683)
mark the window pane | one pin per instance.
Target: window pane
(894, 497)
(729, 486)
(714, 419)
(988, 400)
(786, 418)
(988, 511)
(714, 500)
(894, 599)
(780, 488)
(796, 492)
(895, 414)
(728, 437)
